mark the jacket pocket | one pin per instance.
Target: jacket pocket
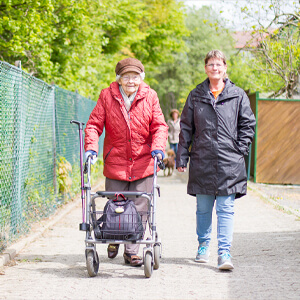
(106, 156)
(236, 147)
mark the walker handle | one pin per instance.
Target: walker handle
(80, 124)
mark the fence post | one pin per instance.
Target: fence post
(54, 140)
(76, 105)
(16, 199)
(249, 162)
(18, 64)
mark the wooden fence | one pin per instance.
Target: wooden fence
(275, 156)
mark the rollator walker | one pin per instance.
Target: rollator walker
(91, 217)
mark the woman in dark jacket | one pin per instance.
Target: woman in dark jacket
(217, 127)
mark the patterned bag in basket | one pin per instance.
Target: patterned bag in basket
(120, 221)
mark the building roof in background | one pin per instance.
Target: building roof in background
(249, 39)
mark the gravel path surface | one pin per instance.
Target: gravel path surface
(265, 252)
(286, 197)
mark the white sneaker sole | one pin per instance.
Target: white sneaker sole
(201, 260)
(226, 266)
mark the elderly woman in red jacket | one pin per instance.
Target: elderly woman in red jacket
(135, 130)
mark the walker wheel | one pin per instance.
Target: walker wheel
(148, 264)
(156, 252)
(92, 263)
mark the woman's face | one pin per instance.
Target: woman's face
(215, 69)
(130, 82)
(174, 115)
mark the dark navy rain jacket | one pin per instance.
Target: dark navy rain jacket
(214, 138)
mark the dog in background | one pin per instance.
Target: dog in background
(169, 162)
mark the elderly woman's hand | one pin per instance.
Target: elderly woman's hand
(181, 169)
(93, 155)
(160, 154)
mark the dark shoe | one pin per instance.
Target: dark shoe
(133, 260)
(112, 250)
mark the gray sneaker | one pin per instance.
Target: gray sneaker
(202, 253)
(224, 262)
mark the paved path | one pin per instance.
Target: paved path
(265, 251)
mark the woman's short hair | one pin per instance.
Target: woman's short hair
(174, 110)
(215, 54)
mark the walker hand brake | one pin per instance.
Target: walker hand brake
(161, 164)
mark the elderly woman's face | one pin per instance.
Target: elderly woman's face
(215, 69)
(130, 82)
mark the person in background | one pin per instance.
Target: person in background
(135, 131)
(219, 125)
(174, 129)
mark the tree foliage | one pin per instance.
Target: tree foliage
(77, 43)
(175, 79)
(275, 25)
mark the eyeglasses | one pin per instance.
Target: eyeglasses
(133, 78)
(216, 65)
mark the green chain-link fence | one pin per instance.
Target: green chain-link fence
(35, 137)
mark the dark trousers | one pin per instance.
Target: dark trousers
(141, 185)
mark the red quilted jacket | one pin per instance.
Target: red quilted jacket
(129, 136)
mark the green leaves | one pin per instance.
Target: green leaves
(76, 44)
(178, 77)
(275, 60)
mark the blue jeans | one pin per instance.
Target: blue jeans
(225, 213)
(174, 147)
